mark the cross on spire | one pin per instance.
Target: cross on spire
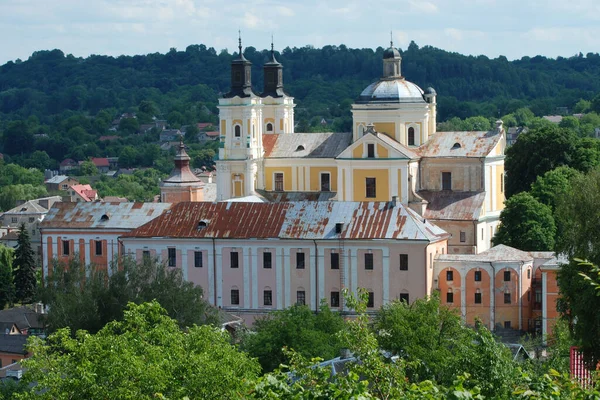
(240, 41)
(391, 40)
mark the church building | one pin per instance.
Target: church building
(454, 179)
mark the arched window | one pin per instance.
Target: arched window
(269, 127)
(411, 136)
(238, 131)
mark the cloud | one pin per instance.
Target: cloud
(250, 20)
(285, 11)
(425, 7)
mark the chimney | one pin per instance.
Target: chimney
(499, 126)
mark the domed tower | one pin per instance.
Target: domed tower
(278, 106)
(395, 106)
(182, 184)
(241, 129)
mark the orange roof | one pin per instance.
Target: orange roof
(100, 162)
(85, 192)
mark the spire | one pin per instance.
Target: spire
(391, 40)
(391, 61)
(273, 76)
(241, 74)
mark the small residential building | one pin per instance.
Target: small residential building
(67, 165)
(208, 135)
(12, 349)
(60, 183)
(90, 231)
(499, 287)
(182, 184)
(169, 135)
(101, 163)
(82, 193)
(253, 258)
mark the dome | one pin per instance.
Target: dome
(392, 91)
(430, 91)
(391, 52)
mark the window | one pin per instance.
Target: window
(335, 260)
(371, 301)
(172, 255)
(65, 187)
(267, 259)
(278, 181)
(528, 273)
(14, 220)
(371, 187)
(506, 297)
(507, 324)
(446, 181)
(477, 297)
(507, 276)
(235, 297)
(269, 127)
(404, 297)
(369, 261)
(300, 297)
(335, 299)
(146, 255)
(538, 296)
(325, 184)
(370, 150)
(66, 247)
(98, 245)
(198, 259)
(299, 260)
(234, 259)
(449, 275)
(449, 297)
(501, 183)
(411, 136)
(267, 298)
(238, 131)
(477, 276)
(463, 236)
(31, 219)
(403, 262)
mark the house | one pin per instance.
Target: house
(555, 119)
(60, 183)
(91, 231)
(203, 126)
(102, 164)
(16, 325)
(253, 258)
(170, 135)
(513, 134)
(67, 165)
(12, 349)
(208, 135)
(82, 193)
(503, 287)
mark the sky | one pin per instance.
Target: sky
(512, 28)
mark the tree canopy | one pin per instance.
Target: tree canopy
(24, 268)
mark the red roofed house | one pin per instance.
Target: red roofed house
(82, 193)
(101, 163)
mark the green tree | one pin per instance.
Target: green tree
(11, 193)
(526, 224)
(582, 106)
(24, 268)
(88, 168)
(129, 125)
(17, 138)
(553, 184)
(6, 277)
(311, 335)
(144, 356)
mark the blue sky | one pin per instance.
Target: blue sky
(512, 28)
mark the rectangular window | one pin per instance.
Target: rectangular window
(477, 276)
(335, 260)
(279, 181)
(299, 260)
(368, 260)
(234, 259)
(404, 297)
(501, 183)
(146, 255)
(370, 150)
(449, 275)
(172, 255)
(449, 297)
(198, 259)
(301, 297)
(403, 262)
(371, 301)
(538, 296)
(507, 298)
(478, 298)
(506, 276)
(267, 260)
(235, 297)
(66, 248)
(446, 181)
(370, 187)
(325, 182)
(14, 220)
(507, 324)
(267, 298)
(98, 245)
(31, 219)
(335, 299)
(528, 274)
(463, 236)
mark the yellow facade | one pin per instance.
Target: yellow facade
(238, 184)
(389, 128)
(315, 178)
(381, 176)
(499, 187)
(223, 126)
(357, 152)
(237, 122)
(382, 152)
(399, 183)
(287, 178)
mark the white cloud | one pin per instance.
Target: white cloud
(422, 7)
(285, 11)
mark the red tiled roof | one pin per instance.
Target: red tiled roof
(203, 125)
(85, 192)
(68, 161)
(269, 143)
(100, 162)
(212, 133)
(105, 138)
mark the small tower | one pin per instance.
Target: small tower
(391, 62)
(182, 184)
(241, 75)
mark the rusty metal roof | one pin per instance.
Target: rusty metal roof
(90, 215)
(460, 144)
(297, 196)
(306, 145)
(291, 220)
(451, 205)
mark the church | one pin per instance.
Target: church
(394, 153)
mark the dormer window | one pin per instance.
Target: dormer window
(300, 148)
(202, 224)
(456, 146)
(370, 150)
(104, 217)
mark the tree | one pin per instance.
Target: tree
(11, 193)
(81, 297)
(553, 184)
(88, 168)
(6, 277)
(17, 138)
(526, 224)
(24, 268)
(311, 335)
(144, 356)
